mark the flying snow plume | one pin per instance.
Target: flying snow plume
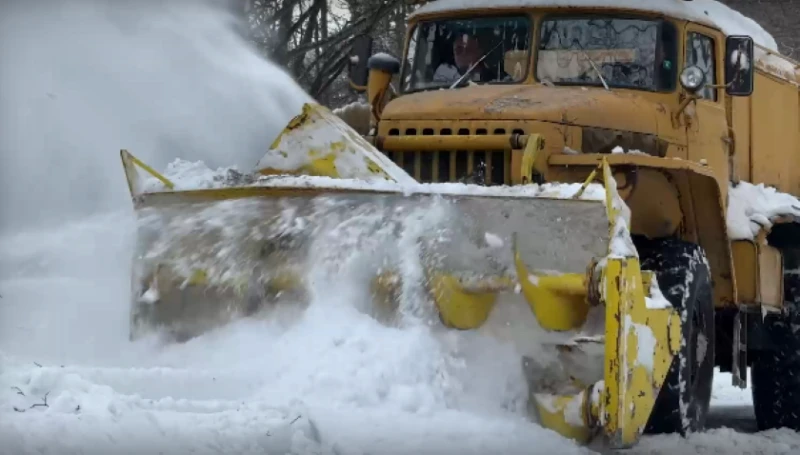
(83, 79)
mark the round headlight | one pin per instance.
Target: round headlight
(693, 78)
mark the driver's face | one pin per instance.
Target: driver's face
(466, 50)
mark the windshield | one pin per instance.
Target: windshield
(628, 53)
(441, 52)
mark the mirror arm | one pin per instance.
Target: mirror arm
(682, 107)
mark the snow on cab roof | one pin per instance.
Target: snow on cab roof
(710, 12)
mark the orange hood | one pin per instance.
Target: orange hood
(568, 105)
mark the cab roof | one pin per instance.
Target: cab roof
(710, 12)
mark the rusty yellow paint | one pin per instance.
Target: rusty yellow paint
(653, 217)
(774, 116)
(326, 138)
(693, 206)
(324, 166)
(566, 415)
(759, 273)
(620, 159)
(296, 121)
(377, 87)
(198, 278)
(589, 180)
(558, 302)
(527, 102)
(639, 342)
(532, 147)
(640, 345)
(460, 309)
(445, 142)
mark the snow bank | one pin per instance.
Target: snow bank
(356, 115)
(710, 12)
(754, 207)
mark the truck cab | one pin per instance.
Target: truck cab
(590, 79)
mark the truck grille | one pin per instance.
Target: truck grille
(484, 167)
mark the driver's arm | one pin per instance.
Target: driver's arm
(446, 73)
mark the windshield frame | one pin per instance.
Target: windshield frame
(659, 20)
(472, 15)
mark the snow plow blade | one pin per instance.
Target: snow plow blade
(325, 207)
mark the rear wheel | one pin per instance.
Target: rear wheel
(775, 374)
(684, 278)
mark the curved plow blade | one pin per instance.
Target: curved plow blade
(327, 206)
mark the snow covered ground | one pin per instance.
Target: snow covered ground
(82, 82)
(328, 381)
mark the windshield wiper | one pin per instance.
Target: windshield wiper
(591, 62)
(473, 66)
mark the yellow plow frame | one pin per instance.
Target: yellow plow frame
(202, 252)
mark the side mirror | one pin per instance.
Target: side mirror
(382, 67)
(739, 70)
(384, 62)
(693, 79)
(358, 70)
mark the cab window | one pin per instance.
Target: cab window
(700, 53)
(622, 52)
(476, 50)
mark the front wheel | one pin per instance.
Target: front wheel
(684, 278)
(775, 374)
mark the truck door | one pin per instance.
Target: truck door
(706, 120)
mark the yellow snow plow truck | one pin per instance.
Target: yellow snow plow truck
(597, 164)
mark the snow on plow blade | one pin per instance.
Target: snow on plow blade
(340, 211)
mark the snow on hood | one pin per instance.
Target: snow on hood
(710, 12)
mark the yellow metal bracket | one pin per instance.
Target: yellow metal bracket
(317, 142)
(129, 163)
(640, 344)
(559, 302)
(534, 145)
(458, 307)
(587, 182)
(640, 341)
